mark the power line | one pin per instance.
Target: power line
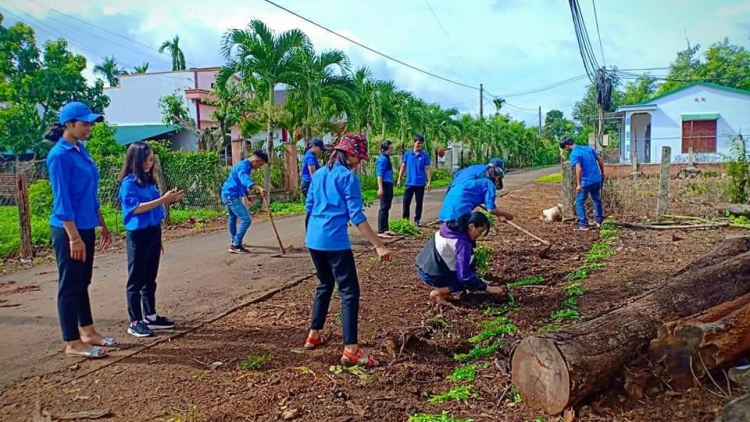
(371, 49)
(554, 85)
(598, 33)
(450, 41)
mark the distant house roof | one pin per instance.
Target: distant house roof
(650, 101)
(126, 135)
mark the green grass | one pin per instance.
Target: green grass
(461, 393)
(496, 311)
(550, 327)
(443, 417)
(515, 396)
(574, 289)
(181, 216)
(584, 271)
(550, 178)
(566, 314)
(531, 281)
(478, 352)
(370, 195)
(466, 373)
(254, 362)
(403, 227)
(287, 208)
(482, 255)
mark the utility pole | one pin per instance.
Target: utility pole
(540, 122)
(481, 101)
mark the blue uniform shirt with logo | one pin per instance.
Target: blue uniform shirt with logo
(416, 175)
(74, 179)
(465, 197)
(239, 181)
(131, 196)
(587, 158)
(334, 199)
(309, 160)
(384, 168)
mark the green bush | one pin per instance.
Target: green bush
(441, 174)
(40, 198)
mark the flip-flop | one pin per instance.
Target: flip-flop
(94, 352)
(390, 233)
(385, 236)
(106, 342)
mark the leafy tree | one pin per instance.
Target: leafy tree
(641, 89)
(174, 111)
(173, 47)
(102, 142)
(36, 83)
(499, 103)
(141, 69)
(110, 70)
(556, 125)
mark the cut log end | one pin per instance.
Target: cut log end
(541, 375)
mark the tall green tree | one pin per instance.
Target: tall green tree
(36, 83)
(110, 70)
(556, 125)
(641, 89)
(173, 47)
(263, 59)
(725, 64)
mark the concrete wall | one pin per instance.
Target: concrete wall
(666, 120)
(136, 100)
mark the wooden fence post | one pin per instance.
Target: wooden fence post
(159, 177)
(24, 216)
(662, 201)
(569, 193)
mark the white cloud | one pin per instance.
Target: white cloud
(735, 9)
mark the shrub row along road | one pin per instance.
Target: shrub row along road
(199, 280)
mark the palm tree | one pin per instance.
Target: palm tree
(110, 70)
(141, 69)
(322, 83)
(173, 47)
(258, 54)
(499, 103)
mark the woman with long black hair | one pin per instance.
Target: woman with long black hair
(142, 214)
(75, 215)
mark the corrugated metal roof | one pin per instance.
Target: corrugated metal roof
(126, 135)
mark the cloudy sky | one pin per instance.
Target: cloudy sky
(511, 46)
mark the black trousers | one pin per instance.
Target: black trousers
(336, 267)
(144, 252)
(409, 193)
(385, 207)
(73, 304)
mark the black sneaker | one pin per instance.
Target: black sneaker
(418, 223)
(238, 249)
(140, 329)
(160, 323)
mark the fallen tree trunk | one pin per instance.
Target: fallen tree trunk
(695, 346)
(736, 209)
(554, 371)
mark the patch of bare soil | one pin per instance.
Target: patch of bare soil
(250, 365)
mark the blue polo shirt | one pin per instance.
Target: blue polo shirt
(334, 199)
(131, 196)
(239, 181)
(415, 163)
(471, 172)
(587, 158)
(75, 182)
(384, 168)
(309, 160)
(465, 197)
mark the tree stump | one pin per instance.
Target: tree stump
(695, 346)
(554, 371)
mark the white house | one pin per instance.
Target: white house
(705, 116)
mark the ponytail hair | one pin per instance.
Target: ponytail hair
(461, 224)
(55, 132)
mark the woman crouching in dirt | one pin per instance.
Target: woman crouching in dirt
(445, 262)
(142, 214)
(334, 199)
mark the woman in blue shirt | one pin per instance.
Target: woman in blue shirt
(74, 179)
(310, 163)
(142, 214)
(384, 173)
(334, 199)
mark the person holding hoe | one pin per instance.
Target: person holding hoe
(384, 173)
(474, 171)
(239, 184)
(445, 262)
(74, 179)
(472, 193)
(310, 163)
(335, 199)
(589, 174)
(416, 163)
(142, 214)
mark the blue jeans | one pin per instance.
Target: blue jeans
(336, 267)
(144, 253)
(237, 210)
(73, 305)
(595, 190)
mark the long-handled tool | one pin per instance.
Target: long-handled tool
(542, 254)
(270, 217)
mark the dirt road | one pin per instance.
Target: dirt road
(199, 280)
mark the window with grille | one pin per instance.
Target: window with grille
(702, 135)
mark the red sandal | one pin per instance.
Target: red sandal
(312, 343)
(348, 359)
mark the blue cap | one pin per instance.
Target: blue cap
(78, 111)
(315, 142)
(497, 162)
